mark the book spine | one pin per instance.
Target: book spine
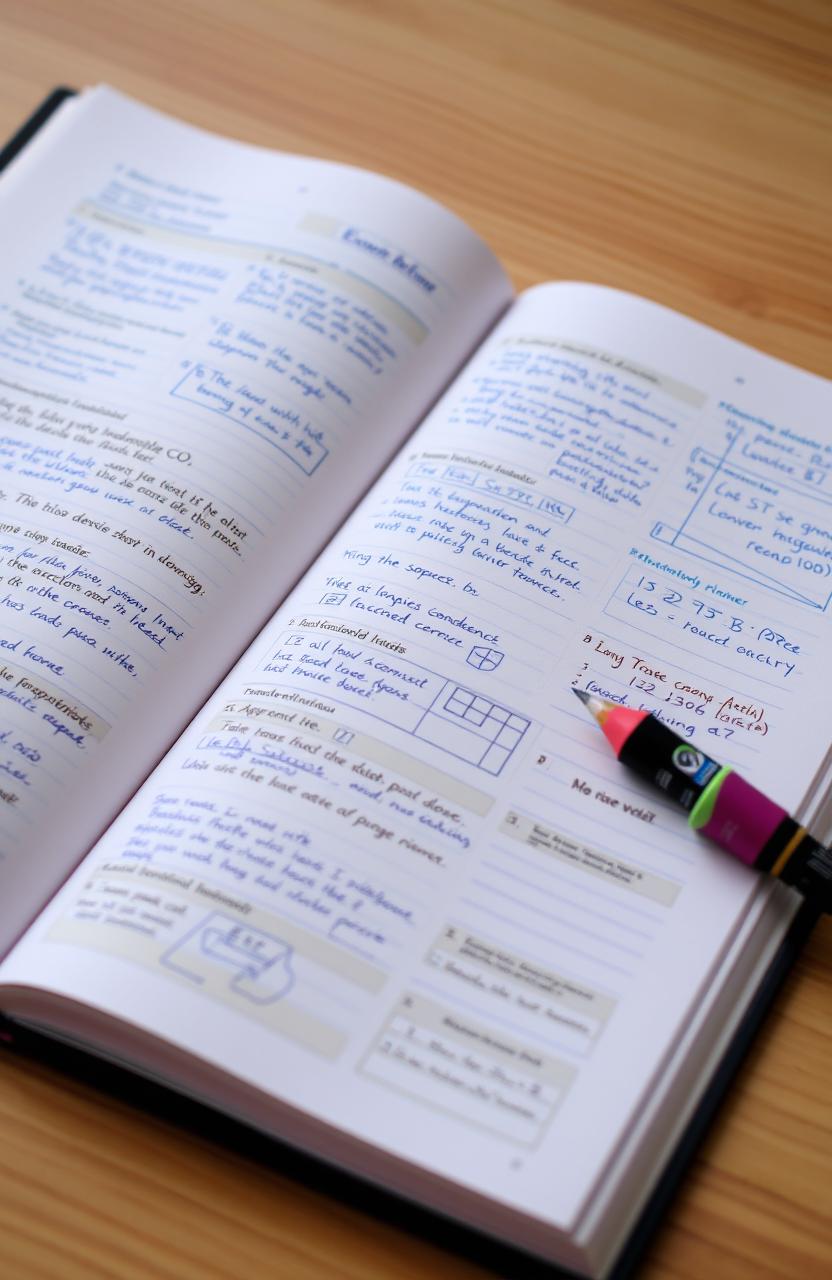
(35, 122)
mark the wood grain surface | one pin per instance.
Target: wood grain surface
(681, 150)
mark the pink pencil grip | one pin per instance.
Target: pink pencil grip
(743, 819)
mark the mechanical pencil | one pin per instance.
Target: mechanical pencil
(719, 803)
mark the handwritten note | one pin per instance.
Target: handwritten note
(193, 351)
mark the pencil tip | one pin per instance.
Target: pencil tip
(582, 694)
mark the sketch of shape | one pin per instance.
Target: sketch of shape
(263, 963)
(750, 523)
(472, 727)
(296, 441)
(256, 965)
(484, 658)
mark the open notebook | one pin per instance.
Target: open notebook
(383, 894)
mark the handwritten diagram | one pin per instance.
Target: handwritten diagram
(745, 518)
(475, 728)
(255, 409)
(493, 487)
(258, 964)
(470, 726)
(483, 658)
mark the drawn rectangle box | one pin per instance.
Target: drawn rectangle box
(473, 728)
(299, 444)
(458, 739)
(420, 1052)
(477, 711)
(470, 478)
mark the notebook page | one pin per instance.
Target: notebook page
(207, 351)
(392, 874)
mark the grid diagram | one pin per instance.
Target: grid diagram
(474, 728)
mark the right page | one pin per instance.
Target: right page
(392, 874)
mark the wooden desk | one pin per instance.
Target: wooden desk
(678, 150)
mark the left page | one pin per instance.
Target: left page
(207, 352)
